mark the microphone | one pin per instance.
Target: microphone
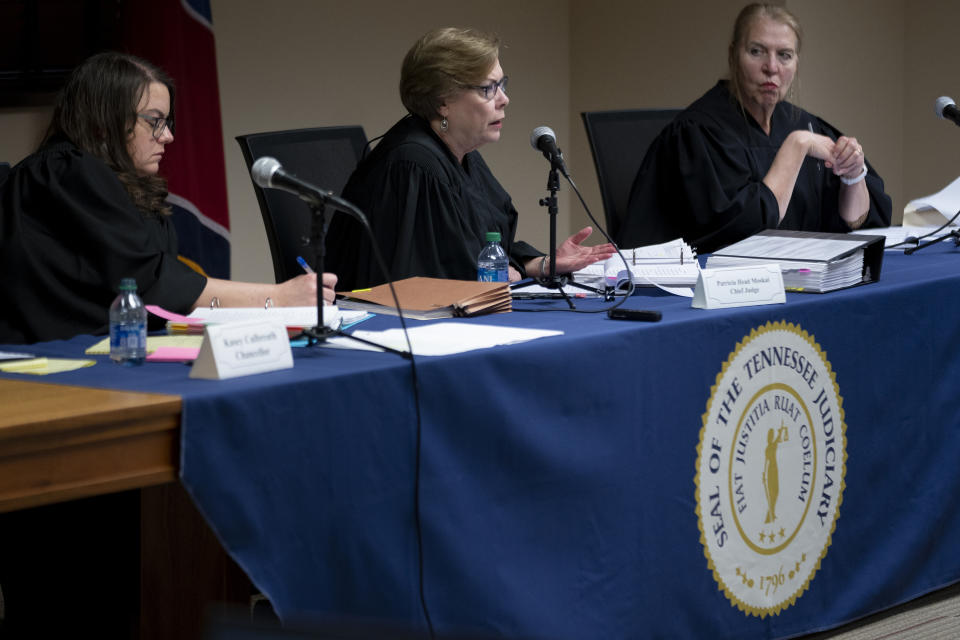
(268, 173)
(946, 109)
(545, 140)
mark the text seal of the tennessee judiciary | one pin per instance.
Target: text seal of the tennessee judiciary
(770, 468)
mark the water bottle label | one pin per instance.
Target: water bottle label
(493, 275)
(128, 340)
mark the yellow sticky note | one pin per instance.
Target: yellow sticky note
(102, 348)
(45, 366)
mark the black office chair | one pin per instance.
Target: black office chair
(4, 170)
(323, 156)
(619, 140)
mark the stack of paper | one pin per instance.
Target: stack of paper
(442, 338)
(671, 264)
(936, 209)
(431, 298)
(809, 261)
(296, 319)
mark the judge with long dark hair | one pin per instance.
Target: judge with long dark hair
(88, 209)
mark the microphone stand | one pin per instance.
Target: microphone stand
(319, 207)
(552, 280)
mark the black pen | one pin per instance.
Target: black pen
(819, 163)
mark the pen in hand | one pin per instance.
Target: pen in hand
(303, 264)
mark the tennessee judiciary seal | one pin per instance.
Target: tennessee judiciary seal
(770, 468)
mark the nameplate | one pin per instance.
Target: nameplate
(235, 349)
(739, 287)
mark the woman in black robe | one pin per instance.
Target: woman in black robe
(87, 209)
(741, 159)
(427, 192)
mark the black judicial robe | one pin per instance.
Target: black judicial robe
(429, 213)
(702, 179)
(68, 234)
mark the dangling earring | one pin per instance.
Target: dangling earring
(444, 125)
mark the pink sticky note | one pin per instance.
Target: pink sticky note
(167, 315)
(174, 354)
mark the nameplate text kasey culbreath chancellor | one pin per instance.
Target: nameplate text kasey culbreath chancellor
(239, 349)
(739, 287)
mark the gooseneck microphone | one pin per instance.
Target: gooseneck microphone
(543, 139)
(268, 173)
(946, 109)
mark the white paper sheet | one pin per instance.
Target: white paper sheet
(934, 209)
(896, 235)
(443, 338)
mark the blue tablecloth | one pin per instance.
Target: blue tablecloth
(556, 477)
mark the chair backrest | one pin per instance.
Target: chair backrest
(323, 156)
(619, 141)
(4, 170)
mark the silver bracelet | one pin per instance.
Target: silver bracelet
(860, 176)
(543, 262)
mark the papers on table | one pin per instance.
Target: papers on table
(534, 291)
(443, 338)
(294, 318)
(934, 210)
(809, 261)
(896, 235)
(44, 366)
(671, 266)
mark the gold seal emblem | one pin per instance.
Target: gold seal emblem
(770, 468)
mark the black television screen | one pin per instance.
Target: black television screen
(42, 40)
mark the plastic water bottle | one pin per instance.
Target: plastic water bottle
(492, 263)
(128, 326)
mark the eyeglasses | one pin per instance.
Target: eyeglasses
(158, 124)
(488, 91)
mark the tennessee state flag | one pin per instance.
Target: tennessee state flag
(177, 36)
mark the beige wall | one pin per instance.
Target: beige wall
(871, 67)
(21, 131)
(931, 147)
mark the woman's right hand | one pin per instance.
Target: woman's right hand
(820, 147)
(301, 291)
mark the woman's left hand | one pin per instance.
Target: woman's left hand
(572, 255)
(848, 160)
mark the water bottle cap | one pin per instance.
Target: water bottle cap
(128, 284)
(493, 236)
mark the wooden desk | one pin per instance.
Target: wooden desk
(62, 443)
